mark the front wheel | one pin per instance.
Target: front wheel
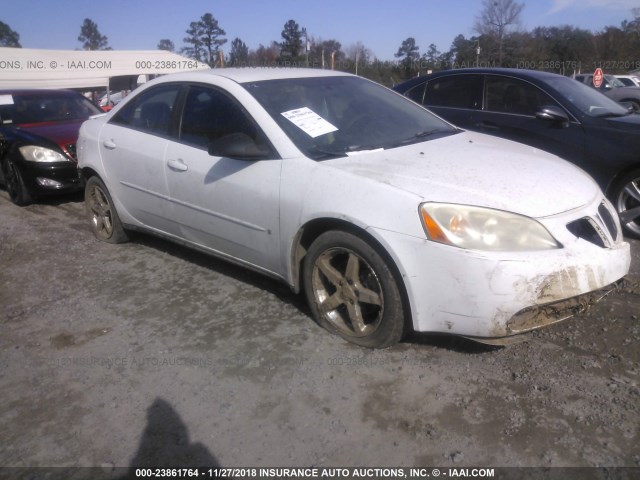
(14, 182)
(627, 202)
(104, 220)
(352, 292)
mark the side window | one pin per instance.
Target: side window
(416, 93)
(150, 111)
(455, 91)
(510, 95)
(210, 114)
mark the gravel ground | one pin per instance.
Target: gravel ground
(150, 354)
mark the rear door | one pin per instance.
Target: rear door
(133, 146)
(454, 97)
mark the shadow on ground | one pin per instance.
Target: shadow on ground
(165, 443)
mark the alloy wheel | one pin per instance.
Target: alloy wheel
(101, 213)
(348, 292)
(628, 206)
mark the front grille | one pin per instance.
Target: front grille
(586, 229)
(71, 148)
(601, 228)
(607, 220)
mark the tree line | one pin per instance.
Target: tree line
(497, 42)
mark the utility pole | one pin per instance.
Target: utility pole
(306, 45)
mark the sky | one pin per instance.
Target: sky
(381, 25)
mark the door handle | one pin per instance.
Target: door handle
(177, 165)
(110, 144)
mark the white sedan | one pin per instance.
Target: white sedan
(386, 216)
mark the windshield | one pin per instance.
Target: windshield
(328, 117)
(586, 99)
(25, 108)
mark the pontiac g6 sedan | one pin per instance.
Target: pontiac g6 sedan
(387, 217)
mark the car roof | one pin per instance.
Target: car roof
(513, 72)
(516, 72)
(255, 74)
(37, 91)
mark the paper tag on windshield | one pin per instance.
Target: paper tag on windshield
(6, 99)
(309, 122)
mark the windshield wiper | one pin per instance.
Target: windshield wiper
(418, 136)
(362, 148)
(325, 154)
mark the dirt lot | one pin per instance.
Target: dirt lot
(150, 354)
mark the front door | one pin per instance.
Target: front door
(231, 206)
(509, 111)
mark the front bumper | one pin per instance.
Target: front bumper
(497, 294)
(48, 178)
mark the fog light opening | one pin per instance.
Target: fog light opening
(48, 182)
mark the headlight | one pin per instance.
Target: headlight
(479, 228)
(33, 153)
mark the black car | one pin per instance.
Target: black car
(547, 111)
(38, 134)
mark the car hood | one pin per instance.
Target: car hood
(476, 169)
(62, 133)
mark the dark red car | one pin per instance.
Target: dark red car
(38, 134)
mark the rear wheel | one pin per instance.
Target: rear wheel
(351, 290)
(105, 223)
(14, 182)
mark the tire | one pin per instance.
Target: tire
(626, 199)
(14, 183)
(102, 215)
(352, 292)
(635, 104)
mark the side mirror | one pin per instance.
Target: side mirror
(551, 113)
(239, 146)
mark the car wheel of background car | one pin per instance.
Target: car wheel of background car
(104, 219)
(16, 188)
(635, 104)
(627, 202)
(351, 290)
